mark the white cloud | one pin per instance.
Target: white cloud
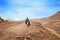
(18, 14)
(24, 12)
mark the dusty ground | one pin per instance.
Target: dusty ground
(34, 32)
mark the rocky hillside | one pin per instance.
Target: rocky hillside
(55, 17)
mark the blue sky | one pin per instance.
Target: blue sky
(20, 9)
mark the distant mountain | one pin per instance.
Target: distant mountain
(55, 16)
(1, 19)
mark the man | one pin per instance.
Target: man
(27, 22)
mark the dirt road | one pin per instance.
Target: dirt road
(34, 29)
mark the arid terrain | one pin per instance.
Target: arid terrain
(40, 29)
